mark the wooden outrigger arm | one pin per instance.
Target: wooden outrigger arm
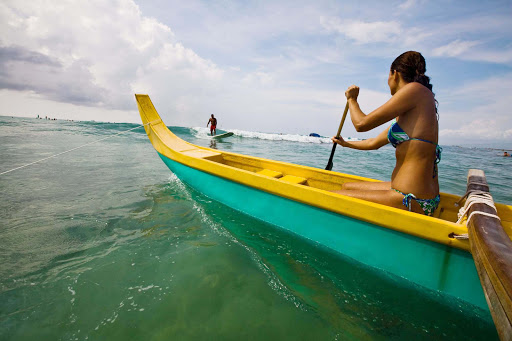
(491, 248)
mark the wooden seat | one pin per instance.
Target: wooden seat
(270, 173)
(203, 154)
(293, 179)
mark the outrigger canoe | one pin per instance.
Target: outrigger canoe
(297, 198)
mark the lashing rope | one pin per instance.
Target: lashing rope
(474, 197)
(67, 151)
(477, 197)
(470, 191)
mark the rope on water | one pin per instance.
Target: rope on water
(70, 150)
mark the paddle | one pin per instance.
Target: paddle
(329, 164)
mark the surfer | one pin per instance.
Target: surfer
(505, 154)
(413, 132)
(213, 121)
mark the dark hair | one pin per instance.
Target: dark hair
(412, 67)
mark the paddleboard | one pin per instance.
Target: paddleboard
(221, 136)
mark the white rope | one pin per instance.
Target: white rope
(466, 235)
(70, 150)
(483, 213)
(470, 191)
(476, 197)
(461, 236)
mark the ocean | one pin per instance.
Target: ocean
(105, 243)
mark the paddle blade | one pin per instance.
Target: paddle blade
(329, 166)
(330, 163)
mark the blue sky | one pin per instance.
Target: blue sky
(279, 66)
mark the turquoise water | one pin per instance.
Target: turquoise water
(104, 243)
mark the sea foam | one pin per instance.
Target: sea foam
(201, 132)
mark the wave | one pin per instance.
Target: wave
(202, 132)
(102, 128)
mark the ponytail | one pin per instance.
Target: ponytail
(424, 80)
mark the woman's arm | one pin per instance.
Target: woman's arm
(368, 144)
(402, 101)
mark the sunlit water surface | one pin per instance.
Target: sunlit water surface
(105, 243)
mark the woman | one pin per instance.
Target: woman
(414, 134)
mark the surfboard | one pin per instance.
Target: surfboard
(221, 136)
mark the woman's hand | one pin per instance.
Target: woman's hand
(352, 92)
(338, 140)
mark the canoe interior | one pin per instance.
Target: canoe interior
(329, 182)
(316, 178)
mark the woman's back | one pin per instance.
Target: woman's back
(414, 171)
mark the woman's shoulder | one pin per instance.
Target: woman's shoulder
(417, 92)
(413, 94)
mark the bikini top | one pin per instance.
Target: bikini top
(397, 135)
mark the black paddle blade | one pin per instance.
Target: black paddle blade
(330, 164)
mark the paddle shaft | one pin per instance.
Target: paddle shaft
(329, 164)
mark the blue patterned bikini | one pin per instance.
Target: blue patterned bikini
(397, 135)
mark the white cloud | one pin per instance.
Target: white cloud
(101, 43)
(486, 118)
(455, 37)
(407, 4)
(496, 90)
(177, 58)
(474, 50)
(121, 52)
(479, 129)
(364, 32)
(242, 61)
(393, 34)
(259, 77)
(31, 104)
(454, 49)
(486, 41)
(498, 56)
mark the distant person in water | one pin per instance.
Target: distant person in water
(413, 132)
(213, 127)
(505, 154)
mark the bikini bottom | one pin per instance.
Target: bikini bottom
(427, 205)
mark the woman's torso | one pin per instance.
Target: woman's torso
(415, 160)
